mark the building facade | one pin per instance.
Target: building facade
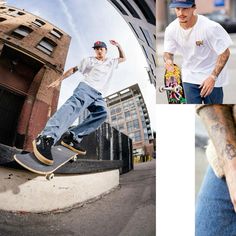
(128, 114)
(140, 16)
(32, 55)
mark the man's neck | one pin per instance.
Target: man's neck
(190, 23)
(100, 58)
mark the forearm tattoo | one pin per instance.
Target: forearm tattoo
(230, 151)
(221, 61)
(168, 56)
(221, 128)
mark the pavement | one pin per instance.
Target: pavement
(127, 211)
(229, 90)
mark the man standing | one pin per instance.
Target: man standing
(204, 45)
(97, 73)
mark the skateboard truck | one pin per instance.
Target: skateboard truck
(175, 89)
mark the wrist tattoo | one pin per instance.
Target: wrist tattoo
(75, 69)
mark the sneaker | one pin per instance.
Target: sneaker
(42, 149)
(72, 144)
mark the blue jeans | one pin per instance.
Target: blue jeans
(215, 214)
(83, 97)
(192, 94)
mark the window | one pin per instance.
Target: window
(147, 37)
(21, 32)
(20, 13)
(121, 9)
(2, 8)
(130, 8)
(113, 118)
(115, 109)
(2, 19)
(127, 115)
(10, 9)
(137, 136)
(120, 118)
(56, 33)
(132, 125)
(38, 23)
(121, 127)
(134, 114)
(46, 45)
(144, 8)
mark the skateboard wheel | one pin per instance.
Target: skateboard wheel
(161, 89)
(74, 158)
(50, 176)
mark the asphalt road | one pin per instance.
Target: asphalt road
(229, 90)
(128, 211)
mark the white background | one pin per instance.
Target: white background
(175, 169)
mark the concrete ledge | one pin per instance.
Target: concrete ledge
(23, 191)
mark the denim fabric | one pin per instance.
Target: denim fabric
(192, 94)
(215, 215)
(83, 97)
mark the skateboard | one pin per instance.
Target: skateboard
(173, 86)
(61, 155)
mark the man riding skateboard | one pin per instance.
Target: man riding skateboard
(204, 45)
(97, 72)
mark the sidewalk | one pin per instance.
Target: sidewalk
(129, 210)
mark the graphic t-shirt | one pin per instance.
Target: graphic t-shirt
(97, 74)
(200, 46)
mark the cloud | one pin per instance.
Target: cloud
(73, 26)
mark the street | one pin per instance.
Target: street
(229, 90)
(130, 210)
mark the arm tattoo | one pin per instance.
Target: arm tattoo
(221, 61)
(168, 56)
(221, 128)
(230, 151)
(75, 69)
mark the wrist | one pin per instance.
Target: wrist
(214, 77)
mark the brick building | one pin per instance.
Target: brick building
(32, 55)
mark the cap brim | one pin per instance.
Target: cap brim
(181, 5)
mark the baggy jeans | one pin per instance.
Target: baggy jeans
(83, 97)
(192, 94)
(215, 214)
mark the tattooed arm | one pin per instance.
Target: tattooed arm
(220, 124)
(208, 84)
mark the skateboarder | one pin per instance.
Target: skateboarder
(204, 45)
(97, 72)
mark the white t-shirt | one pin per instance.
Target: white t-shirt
(200, 46)
(97, 74)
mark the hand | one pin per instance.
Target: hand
(113, 42)
(169, 65)
(207, 86)
(54, 84)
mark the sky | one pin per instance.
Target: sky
(87, 21)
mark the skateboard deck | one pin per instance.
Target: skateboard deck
(173, 86)
(61, 155)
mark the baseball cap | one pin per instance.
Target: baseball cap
(182, 3)
(99, 44)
